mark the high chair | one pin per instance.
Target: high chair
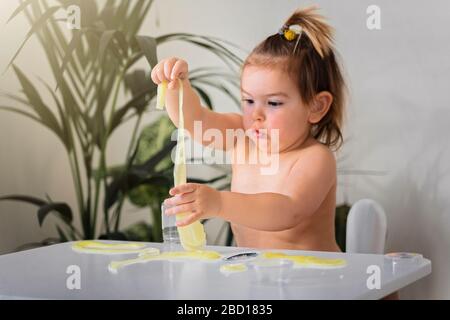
(366, 228)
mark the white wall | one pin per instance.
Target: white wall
(398, 115)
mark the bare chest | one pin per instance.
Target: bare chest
(261, 173)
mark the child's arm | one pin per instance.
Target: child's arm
(310, 180)
(171, 70)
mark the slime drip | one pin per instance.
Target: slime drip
(192, 237)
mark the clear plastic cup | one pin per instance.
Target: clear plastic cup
(398, 260)
(271, 271)
(169, 227)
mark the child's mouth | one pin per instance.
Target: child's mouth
(259, 133)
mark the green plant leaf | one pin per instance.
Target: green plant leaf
(35, 100)
(89, 11)
(17, 99)
(26, 114)
(206, 74)
(135, 57)
(150, 194)
(148, 47)
(36, 26)
(136, 17)
(19, 9)
(119, 236)
(137, 82)
(55, 36)
(222, 88)
(106, 39)
(213, 45)
(120, 113)
(205, 97)
(127, 182)
(22, 198)
(341, 214)
(61, 234)
(62, 210)
(106, 15)
(44, 207)
(140, 231)
(150, 164)
(52, 48)
(121, 13)
(74, 43)
(66, 134)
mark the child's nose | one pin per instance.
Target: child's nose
(258, 113)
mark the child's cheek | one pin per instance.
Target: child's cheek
(274, 123)
(279, 127)
(247, 119)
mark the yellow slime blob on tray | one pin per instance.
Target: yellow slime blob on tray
(307, 261)
(192, 237)
(111, 248)
(114, 266)
(233, 268)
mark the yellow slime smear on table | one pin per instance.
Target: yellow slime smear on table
(97, 247)
(114, 266)
(233, 268)
(192, 237)
(306, 261)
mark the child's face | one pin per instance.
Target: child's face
(270, 100)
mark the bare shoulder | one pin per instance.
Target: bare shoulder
(317, 152)
(311, 178)
(315, 160)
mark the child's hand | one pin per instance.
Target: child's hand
(198, 200)
(170, 70)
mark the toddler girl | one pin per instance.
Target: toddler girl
(292, 94)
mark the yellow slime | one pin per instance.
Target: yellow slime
(192, 237)
(114, 266)
(306, 261)
(233, 268)
(112, 248)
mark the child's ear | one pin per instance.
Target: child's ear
(320, 106)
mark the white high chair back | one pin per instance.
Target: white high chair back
(366, 228)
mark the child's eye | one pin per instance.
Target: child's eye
(275, 103)
(248, 101)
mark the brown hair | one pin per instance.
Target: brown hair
(312, 64)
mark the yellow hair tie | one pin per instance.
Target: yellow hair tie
(290, 35)
(291, 32)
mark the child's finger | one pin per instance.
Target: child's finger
(187, 221)
(180, 209)
(183, 188)
(160, 74)
(168, 66)
(180, 199)
(179, 70)
(173, 85)
(154, 76)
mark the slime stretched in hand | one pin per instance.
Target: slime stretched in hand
(192, 237)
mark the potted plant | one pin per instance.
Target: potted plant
(91, 67)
